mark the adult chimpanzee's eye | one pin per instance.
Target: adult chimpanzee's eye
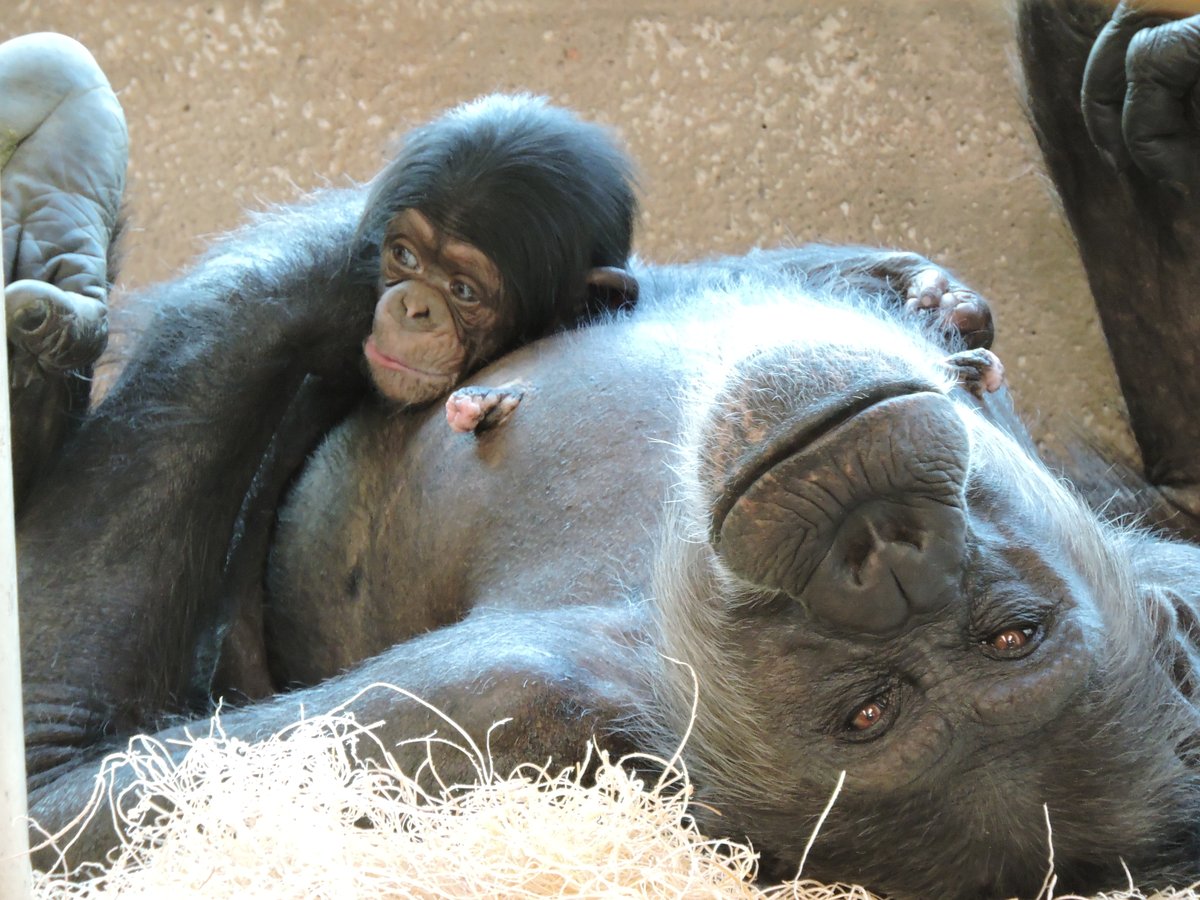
(1014, 641)
(404, 256)
(462, 290)
(869, 715)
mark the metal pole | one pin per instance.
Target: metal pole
(16, 878)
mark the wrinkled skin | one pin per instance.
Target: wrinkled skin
(762, 473)
(63, 148)
(441, 311)
(1139, 92)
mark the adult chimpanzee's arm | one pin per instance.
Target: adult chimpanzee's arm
(231, 659)
(122, 546)
(1138, 234)
(561, 677)
(908, 279)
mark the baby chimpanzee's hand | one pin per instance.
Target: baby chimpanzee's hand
(478, 408)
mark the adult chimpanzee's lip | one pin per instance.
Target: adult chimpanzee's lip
(377, 356)
(800, 432)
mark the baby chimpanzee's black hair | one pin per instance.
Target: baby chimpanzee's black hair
(546, 196)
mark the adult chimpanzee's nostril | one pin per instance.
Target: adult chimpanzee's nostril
(887, 562)
(864, 524)
(870, 537)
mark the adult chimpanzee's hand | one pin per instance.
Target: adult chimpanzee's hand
(1140, 98)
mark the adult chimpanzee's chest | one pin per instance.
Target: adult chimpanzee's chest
(399, 525)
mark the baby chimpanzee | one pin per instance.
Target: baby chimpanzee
(499, 222)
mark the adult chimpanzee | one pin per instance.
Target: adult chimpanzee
(763, 472)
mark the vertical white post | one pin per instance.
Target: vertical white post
(16, 880)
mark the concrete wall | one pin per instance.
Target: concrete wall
(756, 122)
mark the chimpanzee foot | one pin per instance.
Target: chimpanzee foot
(978, 371)
(53, 330)
(960, 309)
(477, 409)
(63, 149)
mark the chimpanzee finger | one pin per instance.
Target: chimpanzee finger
(971, 318)
(1102, 98)
(1162, 67)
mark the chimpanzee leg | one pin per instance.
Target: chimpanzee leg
(123, 545)
(1139, 238)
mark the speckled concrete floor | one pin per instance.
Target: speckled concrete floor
(893, 123)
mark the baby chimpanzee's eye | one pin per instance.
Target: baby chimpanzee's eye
(404, 256)
(462, 291)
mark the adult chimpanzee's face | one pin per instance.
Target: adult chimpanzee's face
(440, 311)
(886, 584)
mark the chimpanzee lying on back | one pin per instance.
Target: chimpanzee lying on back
(765, 471)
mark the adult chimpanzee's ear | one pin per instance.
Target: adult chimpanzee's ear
(610, 289)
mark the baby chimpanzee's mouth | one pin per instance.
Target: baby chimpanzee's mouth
(804, 430)
(379, 358)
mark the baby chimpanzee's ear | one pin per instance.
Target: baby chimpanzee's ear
(610, 289)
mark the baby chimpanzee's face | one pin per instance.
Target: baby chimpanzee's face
(441, 311)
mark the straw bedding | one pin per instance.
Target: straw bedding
(302, 815)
